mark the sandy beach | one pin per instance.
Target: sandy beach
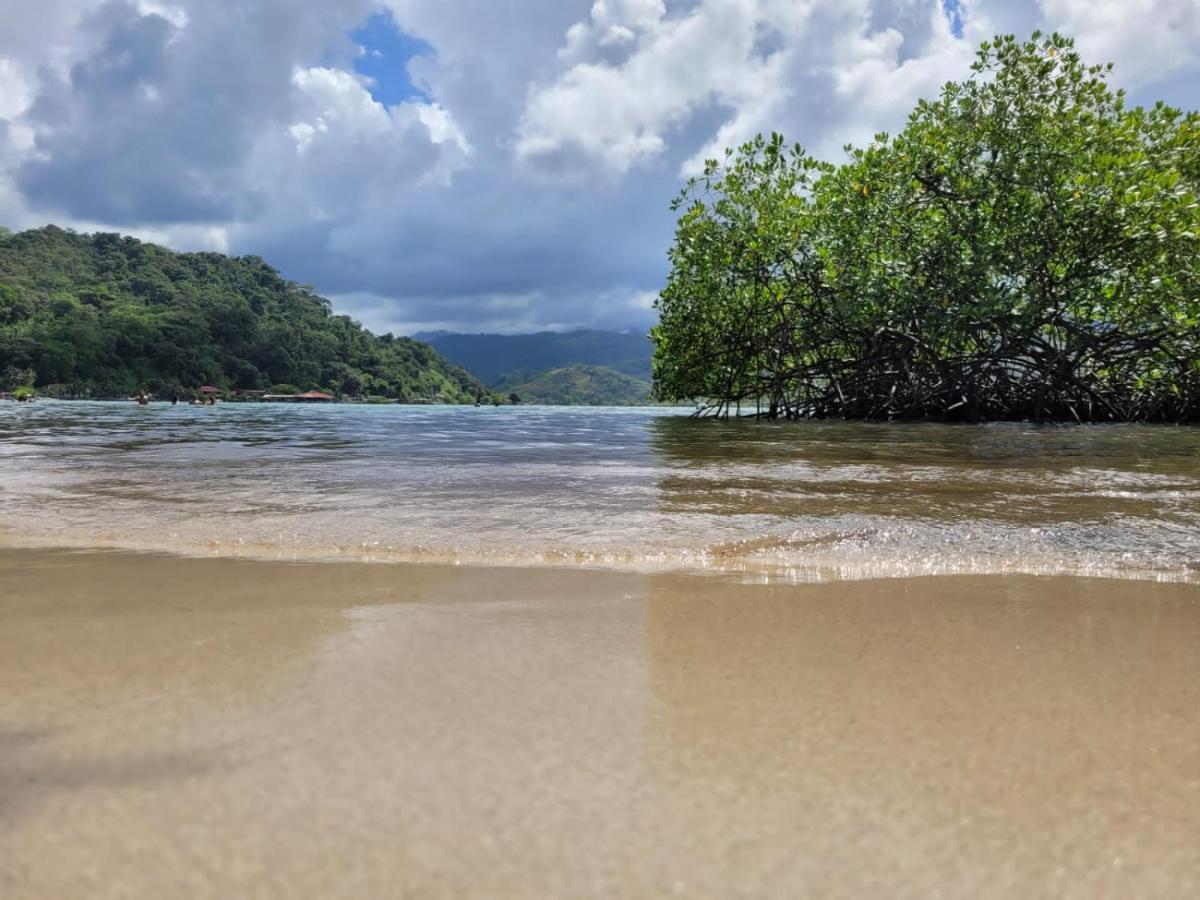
(221, 728)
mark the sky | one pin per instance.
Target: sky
(477, 165)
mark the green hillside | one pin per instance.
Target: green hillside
(495, 356)
(577, 386)
(103, 315)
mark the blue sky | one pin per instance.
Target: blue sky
(472, 164)
(954, 13)
(384, 57)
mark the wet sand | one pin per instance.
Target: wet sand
(220, 728)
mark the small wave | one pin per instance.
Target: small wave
(853, 555)
(633, 490)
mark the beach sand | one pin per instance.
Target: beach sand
(174, 727)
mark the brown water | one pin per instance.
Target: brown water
(647, 490)
(217, 728)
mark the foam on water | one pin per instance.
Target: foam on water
(627, 488)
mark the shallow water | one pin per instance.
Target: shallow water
(648, 489)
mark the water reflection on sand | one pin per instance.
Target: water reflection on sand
(218, 727)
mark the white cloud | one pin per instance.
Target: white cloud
(336, 100)
(611, 24)
(622, 114)
(339, 128)
(15, 93)
(441, 125)
(820, 70)
(1147, 39)
(176, 15)
(222, 124)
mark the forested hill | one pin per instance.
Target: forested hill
(104, 315)
(576, 385)
(495, 356)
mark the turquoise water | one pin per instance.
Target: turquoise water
(636, 488)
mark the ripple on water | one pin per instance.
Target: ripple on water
(637, 488)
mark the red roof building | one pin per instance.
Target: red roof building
(209, 389)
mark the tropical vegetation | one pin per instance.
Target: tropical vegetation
(576, 385)
(1027, 247)
(585, 366)
(103, 315)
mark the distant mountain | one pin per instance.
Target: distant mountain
(491, 357)
(577, 386)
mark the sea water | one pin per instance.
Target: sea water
(639, 488)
